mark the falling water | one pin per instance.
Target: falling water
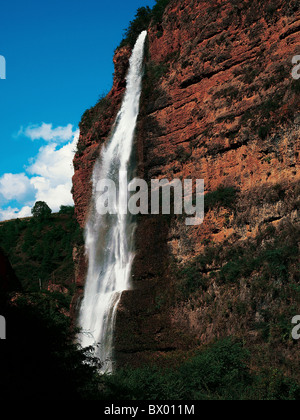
(109, 238)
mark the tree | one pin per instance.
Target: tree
(140, 23)
(41, 210)
(66, 210)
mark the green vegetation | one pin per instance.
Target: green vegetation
(39, 359)
(273, 261)
(271, 105)
(219, 372)
(50, 366)
(70, 210)
(296, 86)
(270, 10)
(183, 155)
(156, 71)
(251, 284)
(272, 256)
(267, 265)
(153, 73)
(158, 10)
(265, 116)
(222, 197)
(191, 280)
(264, 131)
(144, 16)
(231, 93)
(40, 249)
(90, 116)
(250, 74)
(41, 210)
(281, 73)
(139, 24)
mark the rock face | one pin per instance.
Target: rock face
(95, 128)
(219, 103)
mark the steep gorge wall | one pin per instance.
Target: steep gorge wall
(218, 104)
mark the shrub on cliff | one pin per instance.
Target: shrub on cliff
(158, 10)
(191, 280)
(222, 197)
(90, 116)
(139, 24)
(296, 86)
(144, 16)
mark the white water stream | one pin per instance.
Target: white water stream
(110, 238)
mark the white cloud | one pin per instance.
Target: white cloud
(54, 196)
(54, 163)
(14, 213)
(16, 186)
(48, 133)
(48, 178)
(52, 172)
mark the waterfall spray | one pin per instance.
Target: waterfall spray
(109, 239)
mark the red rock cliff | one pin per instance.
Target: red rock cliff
(218, 104)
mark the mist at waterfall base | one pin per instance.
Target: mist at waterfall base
(110, 238)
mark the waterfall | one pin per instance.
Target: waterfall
(109, 239)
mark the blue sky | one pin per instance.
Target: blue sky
(59, 61)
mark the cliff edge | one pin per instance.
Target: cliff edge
(218, 103)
